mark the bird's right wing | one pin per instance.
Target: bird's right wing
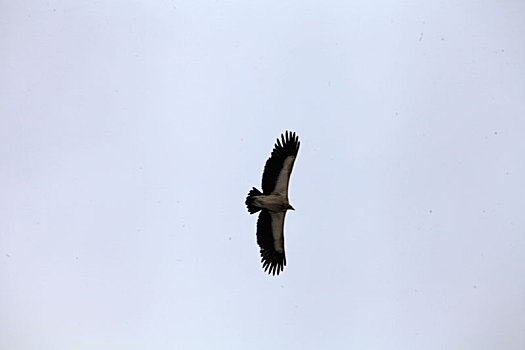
(279, 166)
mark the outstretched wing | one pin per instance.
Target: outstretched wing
(279, 166)
(270, 237)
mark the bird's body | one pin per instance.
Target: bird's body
(273, 202)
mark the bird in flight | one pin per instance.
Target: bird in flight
(273, 202)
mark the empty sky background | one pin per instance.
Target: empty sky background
(131, 131)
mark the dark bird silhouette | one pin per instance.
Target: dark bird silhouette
(273, 202)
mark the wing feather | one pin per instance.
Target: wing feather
(270, 238)
(279, 166)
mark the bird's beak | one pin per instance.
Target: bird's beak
(290, 207)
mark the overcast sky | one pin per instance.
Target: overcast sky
(131, 132)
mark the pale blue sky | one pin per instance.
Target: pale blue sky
(130, 133)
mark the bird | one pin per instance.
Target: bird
(272, 202)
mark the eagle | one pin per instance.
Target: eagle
(273, 202)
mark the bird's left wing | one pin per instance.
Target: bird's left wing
(270, 237)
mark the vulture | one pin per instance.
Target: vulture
(273, 202)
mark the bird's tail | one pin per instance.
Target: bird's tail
(249, 200)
